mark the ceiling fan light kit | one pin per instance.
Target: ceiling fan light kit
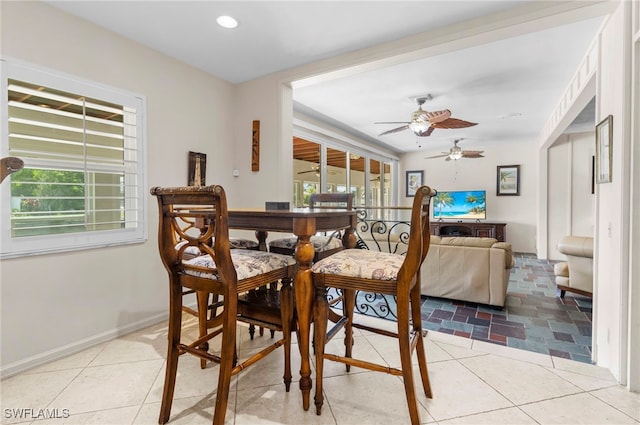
(424, 122)
(456, 153)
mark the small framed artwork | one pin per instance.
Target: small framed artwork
(604, 150)
(593, 174)
(508, 180)
(414, 181)
(197, 169)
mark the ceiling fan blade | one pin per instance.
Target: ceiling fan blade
(454, 123)
(394, 130)
(392, 122)
(438, 156)
(305, 172)
(435, 117)
(472, 154)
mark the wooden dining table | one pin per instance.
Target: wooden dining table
(304, 223)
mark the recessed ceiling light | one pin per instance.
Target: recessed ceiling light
(509, 115)
(227, 21)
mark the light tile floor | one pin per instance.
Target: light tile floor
(474, 382)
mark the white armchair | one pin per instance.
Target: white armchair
(576, 274)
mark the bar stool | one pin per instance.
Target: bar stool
(354, 270)
(324, 245)
(220, 272)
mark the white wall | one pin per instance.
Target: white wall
(519, 212)
(570, 202)
(612, 207)
(53, 304)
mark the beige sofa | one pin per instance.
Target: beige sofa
(576, 274)
(467, 269)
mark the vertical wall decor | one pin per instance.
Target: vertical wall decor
(255, 146)
(414, 181)
(197, 168)
(508, 180)
(604, 150)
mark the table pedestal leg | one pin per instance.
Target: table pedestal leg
(303, 286)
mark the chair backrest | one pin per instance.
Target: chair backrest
(331, 200)
(9, 165)
(178, 208)
(419, 235)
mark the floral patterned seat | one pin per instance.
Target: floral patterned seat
(353, 270)
(248, 263)
(234, 243)
(361, 263)
(320, 243)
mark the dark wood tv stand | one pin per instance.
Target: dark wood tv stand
(474, 229)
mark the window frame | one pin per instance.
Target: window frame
(320, 136)
(13, 247)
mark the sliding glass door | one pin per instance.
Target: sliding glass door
(320, 166)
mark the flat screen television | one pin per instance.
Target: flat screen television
(460, 205)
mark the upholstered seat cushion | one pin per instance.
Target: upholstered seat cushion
(320, 243)
(361, 263)
(248, 263)
(241, 243)
(234, 243)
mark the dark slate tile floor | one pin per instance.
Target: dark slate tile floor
(535, 318)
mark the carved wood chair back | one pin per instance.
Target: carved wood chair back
(217, 271)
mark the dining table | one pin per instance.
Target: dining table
(304, 223)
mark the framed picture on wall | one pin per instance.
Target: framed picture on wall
(197, 169)
(604, 150)
(508, 180)
(414, 181)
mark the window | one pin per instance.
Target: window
(82, 185)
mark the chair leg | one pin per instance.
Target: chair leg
(348, 306)
(404, 342)
(562, 292)
(418, 333)
(320, 318)
(286, 314)
(174, 329)
(203, 308)
(227, 361)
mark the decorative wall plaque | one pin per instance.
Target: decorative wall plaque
(255, 146)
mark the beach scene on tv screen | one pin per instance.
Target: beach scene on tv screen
(470, 204)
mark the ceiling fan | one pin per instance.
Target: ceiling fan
(315, 169)
(424, 122)
(456, 153)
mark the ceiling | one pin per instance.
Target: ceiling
(525, 74)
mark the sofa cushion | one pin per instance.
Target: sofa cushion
(467, 269)
(468, 241)
(580, 246)
(561, 269)
(509, 260)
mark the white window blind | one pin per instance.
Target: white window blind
(83, 148)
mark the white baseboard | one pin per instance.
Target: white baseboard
(75, 347)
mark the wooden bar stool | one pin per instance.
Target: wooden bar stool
(219, 272)
(354, 270)
(324, 245)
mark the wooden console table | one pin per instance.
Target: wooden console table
(474, 229)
